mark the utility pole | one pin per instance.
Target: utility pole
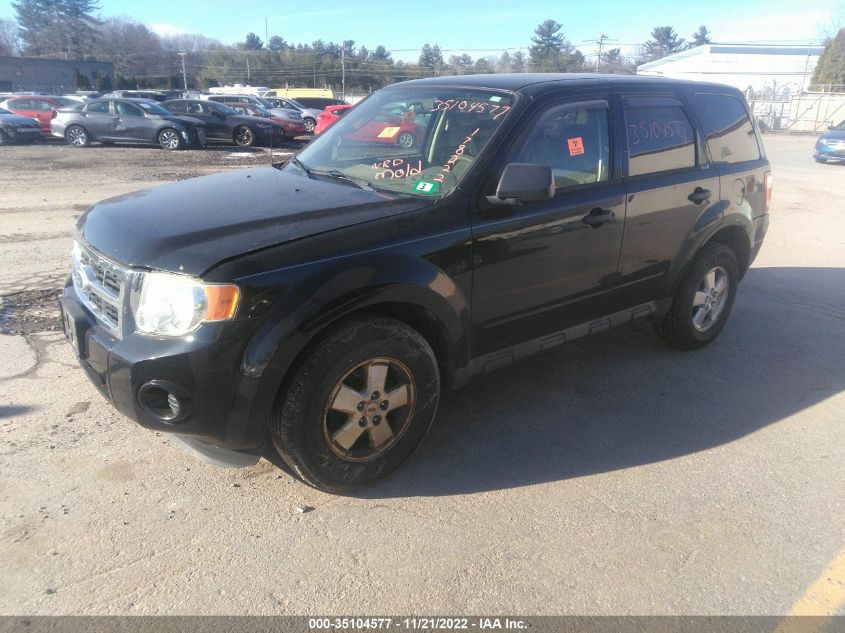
(184, 74)
(248, 76)
(266, 38)
(343, 70)
(602, 38)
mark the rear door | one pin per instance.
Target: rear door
(99, 120)
(671, 189)
(545, 266)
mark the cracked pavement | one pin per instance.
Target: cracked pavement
(611, 476)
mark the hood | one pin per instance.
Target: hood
(17, 120)
(312, 112)
(184, 120)
(191, 225)
(834, 134)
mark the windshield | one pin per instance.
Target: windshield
(64, 102)
(4, 111)
(417, 141)
(841, 126)
(261, 111)
(260, 101)
(153, 108)
(219, 107)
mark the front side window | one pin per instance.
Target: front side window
(660, 136)
(573, 140)
(151, 107)
(730, 135)
(414, 141)
(127, 109)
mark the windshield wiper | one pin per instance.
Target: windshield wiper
(361, 183)
(299, 164)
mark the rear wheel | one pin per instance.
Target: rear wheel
(77, 136)
(358, 406)
(169, 139)
(704, 299)
(244, 136)
(310, 124)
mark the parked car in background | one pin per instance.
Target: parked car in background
(223, 124)
(328, 116)
(15, 128)
(253, 100)
(309, 115)
(292, 127)
(153, 95)
(830, 146)
(320, 103)
(127, 121)
(40, 108)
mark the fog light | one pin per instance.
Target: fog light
(165, 401)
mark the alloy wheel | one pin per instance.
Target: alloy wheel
(77, 136)
(244, 137)
(369, 409)
(169, 139)
(406, 140)
(710, 298)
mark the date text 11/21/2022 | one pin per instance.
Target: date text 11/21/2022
(422, 623)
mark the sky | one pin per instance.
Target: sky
(478, 27)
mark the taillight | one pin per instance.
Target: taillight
(767, 191)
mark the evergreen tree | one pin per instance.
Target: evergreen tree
(664, 41)
(518, 62)
(252, 43)
(276, 43)
(546, 46)
(700, 37)
(830, 69)
(63, 28)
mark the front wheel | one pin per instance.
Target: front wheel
(704, 299)
(358, 405)
(77, 136)
(169, 139)
(310, 124)
(405, 140)
(244, 136)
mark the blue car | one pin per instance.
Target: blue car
(831, 144)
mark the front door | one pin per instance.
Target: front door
(545, 266)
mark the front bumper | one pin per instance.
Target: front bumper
(203, 369)
(22, 134)
(830, 152)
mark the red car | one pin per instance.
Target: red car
(291, 125)
(329, 115)
(386, 127)
(42, 109)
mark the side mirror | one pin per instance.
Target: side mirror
(523, 182)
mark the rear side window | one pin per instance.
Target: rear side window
(660, 136)
(573, 140)
(730, 134)
(100, 106)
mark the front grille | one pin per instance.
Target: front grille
(99, 283)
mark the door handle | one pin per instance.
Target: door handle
(699, 195)
(597, 217)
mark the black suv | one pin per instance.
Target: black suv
(320, 306)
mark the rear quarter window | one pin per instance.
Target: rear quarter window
(660, 137)
(730, 135)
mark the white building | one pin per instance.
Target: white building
(760, 67)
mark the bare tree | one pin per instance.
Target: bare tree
(10, 43)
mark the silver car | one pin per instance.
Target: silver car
(290, 114)
(309, 115)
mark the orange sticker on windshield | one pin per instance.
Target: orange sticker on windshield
(576, 146)
(388, 132)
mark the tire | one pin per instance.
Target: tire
(339, 449)
(818, 159)
(244, 136)
(406, 140)
(700, 308)
(310, 124)
(77, 136)
(170, 139)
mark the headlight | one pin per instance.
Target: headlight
(174, 305)
(822, 141)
